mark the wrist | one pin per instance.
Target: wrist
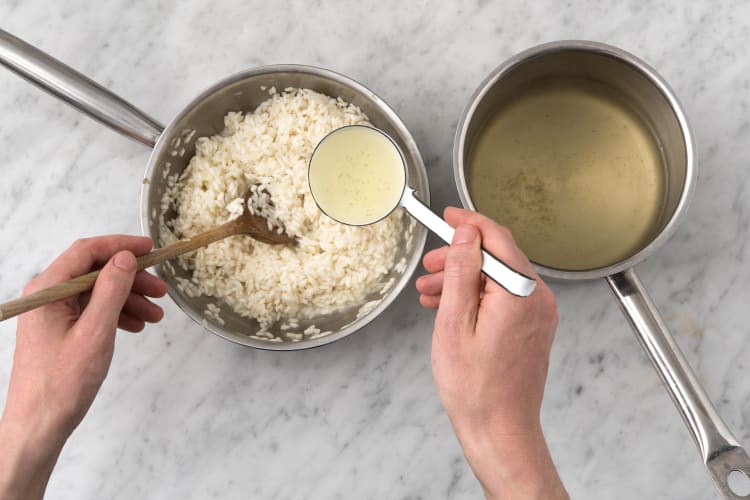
(30, 450)
(514, 465)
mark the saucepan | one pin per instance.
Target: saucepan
(173, 146)
(648, 95)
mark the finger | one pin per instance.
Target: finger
(459, 301)
(110, 292)
(126, 321)
(434, 260)
(136, 305)
(496, 239)
(149, 285)
(141, 308)
(85, 254)
(84, 299)
(430, 284)
(430, 301)
(130, 323)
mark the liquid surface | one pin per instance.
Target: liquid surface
(357, 175)
(573, 173)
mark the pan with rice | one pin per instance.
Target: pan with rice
(240, 132)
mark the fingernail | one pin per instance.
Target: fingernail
(464, 234)
(125, 261)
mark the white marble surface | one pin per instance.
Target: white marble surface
(184, 414)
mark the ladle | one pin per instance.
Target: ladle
(357, 176)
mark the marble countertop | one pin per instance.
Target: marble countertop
(185, 414)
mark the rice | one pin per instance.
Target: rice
(332, 267)
(213, 312)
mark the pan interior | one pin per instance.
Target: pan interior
(580, 155)
(205, 117)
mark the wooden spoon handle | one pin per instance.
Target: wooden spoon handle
(86, 282)
(45, 296)
(159, 255)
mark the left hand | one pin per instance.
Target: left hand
(63, 352)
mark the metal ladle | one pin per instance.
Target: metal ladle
(513, 281)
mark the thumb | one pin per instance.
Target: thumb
(111, 290)
(459, 301)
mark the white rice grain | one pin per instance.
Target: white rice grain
(332, 267)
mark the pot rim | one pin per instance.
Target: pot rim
(420, 233)
(642, 67)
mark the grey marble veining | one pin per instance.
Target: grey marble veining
(184, 414)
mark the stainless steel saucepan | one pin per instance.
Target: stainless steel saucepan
(173, 146)
(649, 96)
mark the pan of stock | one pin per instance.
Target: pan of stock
(173, 146)
(584, 152)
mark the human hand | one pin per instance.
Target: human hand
(490, 354)
(63, 352)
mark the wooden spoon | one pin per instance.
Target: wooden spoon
(247, 223)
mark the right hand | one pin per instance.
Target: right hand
(490, 354)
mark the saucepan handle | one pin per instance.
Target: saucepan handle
(721, 452)
(77, 90)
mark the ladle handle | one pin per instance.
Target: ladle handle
(510, 279)
(720, 450)
(82, 93)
